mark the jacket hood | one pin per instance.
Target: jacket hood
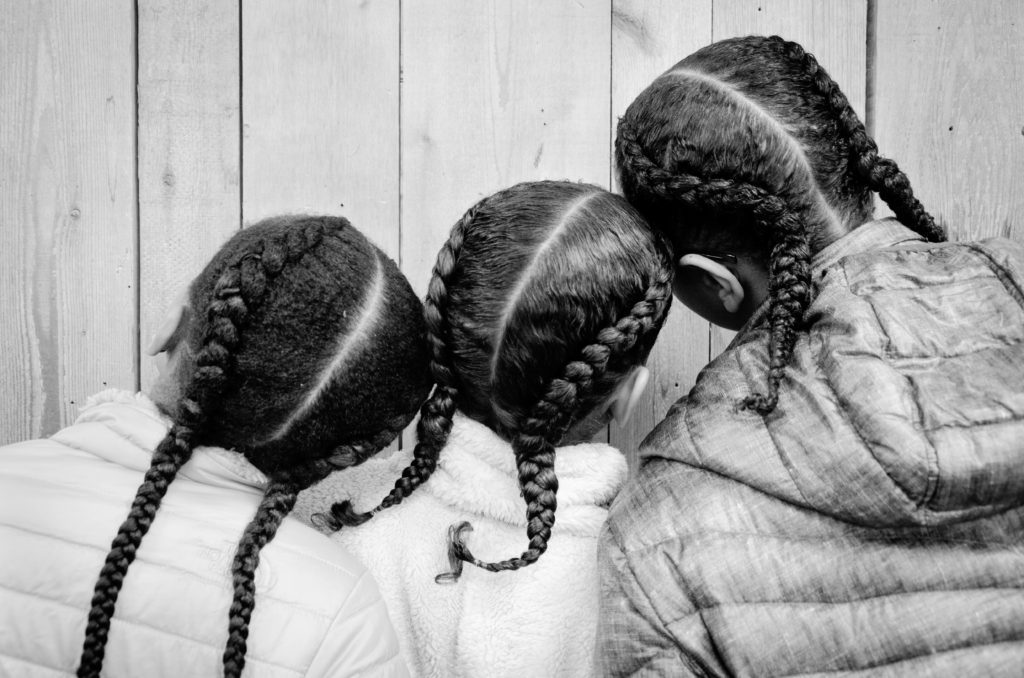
(124, 428)
(904, 402)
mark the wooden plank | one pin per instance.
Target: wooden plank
(949, 106)
(320, 94)
(647, 39)
(189, 155)
(67, 210)
(496, 92)
(835, 32)
(320, 112)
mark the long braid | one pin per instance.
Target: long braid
(238, 288)
(436, 413)
(881, 174)
(789, 293)
(213, 362)
(789, 272)
(169, 456)
(278, 501)
(534, 441)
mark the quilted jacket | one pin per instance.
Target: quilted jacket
(873, 525)
(538, 621)
(318, 612)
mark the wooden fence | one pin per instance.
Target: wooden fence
(135, 137)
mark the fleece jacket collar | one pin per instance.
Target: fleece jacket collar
(477, 473)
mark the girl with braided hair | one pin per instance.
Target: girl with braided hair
(842, 490)
(543, 306)
(300, 350)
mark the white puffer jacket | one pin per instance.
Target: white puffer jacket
(538, 621)
(318, 612)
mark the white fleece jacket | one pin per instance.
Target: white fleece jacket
(537, 621)
(318, 612)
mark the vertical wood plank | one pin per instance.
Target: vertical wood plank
(320, 112)
(950, 109)
(320, 94)
(67, 210)
(189, 154)
(496, 92)
(647, 39)
(835, 32)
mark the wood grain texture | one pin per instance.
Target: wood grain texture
(949, 107)
(320, 112)
(496, 92)
(320, 118)
(67, 210)
(188, 146)
(835, 32)
(647, 39)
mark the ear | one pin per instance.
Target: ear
(173, 328)
(725, 283)
(628, 393)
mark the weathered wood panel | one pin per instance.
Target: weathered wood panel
(67, 210)
(496, 92)
(188, 146)
(949, 105)
(278, 106)
(647, 39)
(320, 112)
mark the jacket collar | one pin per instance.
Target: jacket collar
(138, 421)
(477, 473)
(869, 236)
(873, 235)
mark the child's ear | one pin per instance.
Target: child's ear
(628, 393)
(724, 283)
(173, 328)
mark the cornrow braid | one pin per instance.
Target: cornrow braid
(534, 442)
(239, 287)
(881, 174)
(789, 271)
(436, 414)
(278, 501)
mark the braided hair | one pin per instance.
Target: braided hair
(544, 297)
(273, 315)
(748, 145)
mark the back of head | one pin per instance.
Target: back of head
(545, 296)
(748, 146)
(306, 353)
(333, 359)
(544, 271)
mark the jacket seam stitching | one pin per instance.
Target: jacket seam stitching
(264, 595)
(683, 656)
(1001, 274)
(31, 662)
(349, 614)
(903, 660)
(836, 603)
(931, 456)
(854, 541)
(149, 627)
